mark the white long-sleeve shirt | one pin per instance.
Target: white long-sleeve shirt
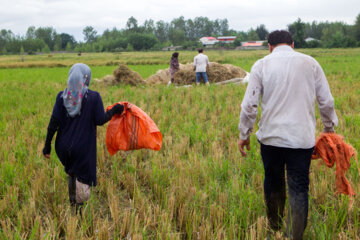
(200, 62)
(289, 83)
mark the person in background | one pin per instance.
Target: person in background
(76, 113)
(174, 66)
(288, 83)
(201, 61)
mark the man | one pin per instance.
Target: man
(201, 61)
(288, 82)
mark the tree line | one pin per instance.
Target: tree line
(179, 32)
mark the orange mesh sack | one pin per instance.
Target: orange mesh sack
(332, 149)
(132, 130)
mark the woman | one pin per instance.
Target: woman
(174, 66)
(77, 112)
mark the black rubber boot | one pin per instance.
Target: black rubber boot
(72, 189)
(297, 218)
(275, 204)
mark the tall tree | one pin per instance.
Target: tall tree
(178, 24)
(203, 27)
(224, 27)
(132, 24)
(89, 34)
(5, 37)
(190, 30)
(177, 31)
(357, 28)
(262, 32)
(47, 34)
(149, 26)
(141, 41)
(161, 31)
(67, 39)
(30, 33)
(252, 35)
(177, 36)
(297, 30)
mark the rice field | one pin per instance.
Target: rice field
(197, 187)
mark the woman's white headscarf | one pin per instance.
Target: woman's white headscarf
(77, 87)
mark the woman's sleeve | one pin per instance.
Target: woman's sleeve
(102, 117)
(99, 113)
(53, 124)
(51, 130)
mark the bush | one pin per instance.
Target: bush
(141, 41)
(313, 44)
(45, 49)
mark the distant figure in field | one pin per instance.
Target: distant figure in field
(288, 83)
(174, 66)
(201, 61)
(76, 113)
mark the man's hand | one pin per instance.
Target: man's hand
(242, 144)
(329, 130)
(47, 156)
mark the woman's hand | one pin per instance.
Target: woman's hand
(118, 109)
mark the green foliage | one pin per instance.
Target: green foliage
(89, 34)
(45, 49)
(297, 30)
(141, 41)
(357, 28)
(177, 37)
(191, 45)
(47, 35)
(22, 50)
(313, 44)
(68, 47)
(337, 39)
(129, 47)
(252, 35)
(4, 51)
(132, 24)
(262, 32)
(237, 42)
(66, 39)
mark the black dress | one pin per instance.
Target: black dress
(75, 143)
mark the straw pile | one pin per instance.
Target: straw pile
(186, 75)
(124, 75)
(162, 76)
(108, 79)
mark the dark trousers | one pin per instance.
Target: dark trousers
(297, 163)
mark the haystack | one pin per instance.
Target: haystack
(108, 79)
(216, 73)
(162, 76)
(124, 75)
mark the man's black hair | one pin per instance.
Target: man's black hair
(277, 37)
(200, 50)
(175, 55)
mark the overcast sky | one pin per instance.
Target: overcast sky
(71, 16)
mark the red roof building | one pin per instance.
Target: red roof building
(208, 40)
(252, 45)
(227, 39)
